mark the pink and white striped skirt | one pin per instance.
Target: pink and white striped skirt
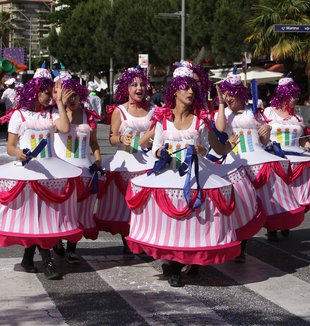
(113, 214)
(26, 219)
(203, 236)
(301, 183)
(281, 207)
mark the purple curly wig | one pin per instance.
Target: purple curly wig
(79, 89)
(235, 90)
(206, 84)
(178, 83)
(284, 93)
(28, 94)
(121, 94)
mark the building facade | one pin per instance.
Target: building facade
(27, 28)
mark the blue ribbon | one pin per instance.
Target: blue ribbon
(222, 137)
(31, 154)
(94, 171)
(165, 159)
(186, 167)
(254, 92)
(275, 148)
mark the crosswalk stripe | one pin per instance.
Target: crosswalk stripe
(24, 301)
(150, 296)
(285, 290)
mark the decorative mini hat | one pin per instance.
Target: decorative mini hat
(183, 72)
(286, 90)
(42, 73)
(63, 76)
(233, 85)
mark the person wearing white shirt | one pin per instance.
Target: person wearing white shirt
(9, 95)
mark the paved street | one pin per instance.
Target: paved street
(109, 288)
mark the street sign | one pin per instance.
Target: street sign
(143, 60)
(292, 28)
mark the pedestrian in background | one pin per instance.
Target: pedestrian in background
(9, 95)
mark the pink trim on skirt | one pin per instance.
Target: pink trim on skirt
(46, 241)
(285, 221)
(113, 227)
(199, 256)
(249, 230)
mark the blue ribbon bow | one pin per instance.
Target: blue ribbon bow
(31, 154)
(165, 159)
(94, 171)
(186, 167)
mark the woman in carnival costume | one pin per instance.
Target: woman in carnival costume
(74, 147)
(130, 119)
(37, 192)
(269, 174)
(289, 131)
(183, 214)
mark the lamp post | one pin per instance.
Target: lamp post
(177, 15)
(111, 76)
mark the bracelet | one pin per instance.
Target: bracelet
(120, 139)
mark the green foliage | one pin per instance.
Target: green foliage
(64, 9)
(5, 26)
(77, 44)
(228, 30)
(283, 46)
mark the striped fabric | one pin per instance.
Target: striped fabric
(27, 214)
(245, 198)
(206, 227)
(301, 186)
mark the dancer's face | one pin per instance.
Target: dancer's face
(233, 102)
(292, 102)
(136, 90)
(45, 96)
(185, 95)
(73, 101)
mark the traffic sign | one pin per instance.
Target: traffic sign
(292, 28)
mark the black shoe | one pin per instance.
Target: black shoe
(285, 233)
(50, 272)
(166, 270)
(240, 259)
(29, 267)
(72, 258)
(192, 270)
(59, 249)
(272, 236)
(175, 280)
(126, 250)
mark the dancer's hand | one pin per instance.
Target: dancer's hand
(233, 140)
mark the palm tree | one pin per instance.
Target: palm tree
(266, 15)
(285, 47)
(5, 27)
